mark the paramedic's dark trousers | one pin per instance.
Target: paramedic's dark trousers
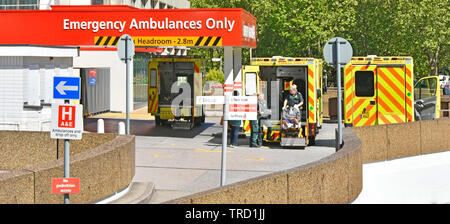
(254, 128)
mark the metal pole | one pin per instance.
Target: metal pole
(66, 161)
(339, 110)
(224, 143)
(228, 80)
(127, 88)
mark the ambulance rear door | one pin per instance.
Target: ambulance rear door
(153, 87)
(250, 79)
(363, 99)
(394, 94)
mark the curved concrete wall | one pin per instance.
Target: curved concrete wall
(105, 163)
(338, 177)
(385, 142)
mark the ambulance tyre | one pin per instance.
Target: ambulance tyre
(203, 118)
(311, 140)
(158, 120)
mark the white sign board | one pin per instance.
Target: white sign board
(67, 121)
(330, 51)
(210, 100)
(242, 108)
(125, 47)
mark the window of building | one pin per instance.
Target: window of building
(364, 84)
(97, 2)
(154, 3)
(162, 5)
(19, 4)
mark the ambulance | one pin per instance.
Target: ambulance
(273, 77)
(381, 90)
(174, 83)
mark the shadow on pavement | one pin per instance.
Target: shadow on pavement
(326, 142)
(144, 128)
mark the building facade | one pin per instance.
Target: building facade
(26, 72)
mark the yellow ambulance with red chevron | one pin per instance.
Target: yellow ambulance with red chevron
(381, 90)
(273, 77)
(174, 83)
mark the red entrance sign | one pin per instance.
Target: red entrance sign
(102, 25)
(65, 185)
(242, 107)
(66, 116)
(92, 73)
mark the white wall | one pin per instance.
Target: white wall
(413, 180)
(109, 59)
(28, 79)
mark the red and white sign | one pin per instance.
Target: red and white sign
(227, 88)
(242, 108)
(66, 116)
(81, 25)
(67, 121)
(65, 185)
(92, 73)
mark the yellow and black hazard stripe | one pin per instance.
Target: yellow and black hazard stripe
(208, 41)
(106, 41)
(162, 41)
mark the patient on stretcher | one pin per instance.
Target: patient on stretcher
(291, 117)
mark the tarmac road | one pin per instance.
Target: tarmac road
(182, 162)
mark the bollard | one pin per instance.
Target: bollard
(121, 128)
(100, 126)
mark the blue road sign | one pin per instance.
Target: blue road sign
(92, 81)
(67, 88)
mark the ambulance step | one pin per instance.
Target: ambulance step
(182, 125)
(286, 141)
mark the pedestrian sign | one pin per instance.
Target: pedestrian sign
(67, 88)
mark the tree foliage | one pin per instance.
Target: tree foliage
(214, 75)
(299, 28)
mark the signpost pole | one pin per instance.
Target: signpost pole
(66, 161)
(125, 50)
(228, 81)
(339, 97)
(127, 88)
(337, 57)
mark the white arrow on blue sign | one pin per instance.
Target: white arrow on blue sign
(67, 88)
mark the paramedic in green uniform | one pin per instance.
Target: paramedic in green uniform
(254, 132)
(295, 96)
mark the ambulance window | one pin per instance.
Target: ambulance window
(364, 84)
(250, 83)
(426, 88)
(181, 80)
(153, 78)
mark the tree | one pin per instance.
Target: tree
(300, 28)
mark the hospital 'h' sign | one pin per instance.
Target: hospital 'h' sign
(67, 121)
(67, 88)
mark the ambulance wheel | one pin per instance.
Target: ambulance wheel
(312, 140)
(158, 120)
(203, 119)
(197, 122)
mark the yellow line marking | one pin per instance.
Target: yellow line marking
(162, 156)
(206, 150)
(259, 159)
